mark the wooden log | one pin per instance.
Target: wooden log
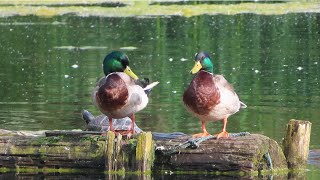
(296, 143)
(237, 154)
(50, 152)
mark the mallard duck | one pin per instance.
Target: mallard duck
(120, 93)
(210, 97)
(101, 123)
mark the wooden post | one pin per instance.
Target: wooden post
(109, 151)
(118, 155)
(296, 143)
(144, 152)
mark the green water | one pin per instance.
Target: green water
(49, 66)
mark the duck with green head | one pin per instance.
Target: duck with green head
(210, 97)
(119, 93)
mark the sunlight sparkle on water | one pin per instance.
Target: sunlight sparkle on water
(299, 68)
(129, 48)
(75, 66)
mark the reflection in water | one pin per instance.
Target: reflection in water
(85, 176)
(155, 176)
(314, 157)
(49, 66)
(57, 175)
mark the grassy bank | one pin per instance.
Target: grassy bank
(142, 8)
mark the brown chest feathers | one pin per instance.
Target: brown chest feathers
(202, 94)
(113, 94)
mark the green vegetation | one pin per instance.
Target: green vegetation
(142, 8)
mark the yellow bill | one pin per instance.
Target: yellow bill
(197, 66)
(130, 73)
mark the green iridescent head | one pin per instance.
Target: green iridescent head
(202, 62)
(117, 61)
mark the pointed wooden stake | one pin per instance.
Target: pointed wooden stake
(296, 143)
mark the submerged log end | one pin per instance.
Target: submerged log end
(296, 143)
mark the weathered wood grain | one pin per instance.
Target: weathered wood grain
(67, 149)
(245, 153)
(296, 143)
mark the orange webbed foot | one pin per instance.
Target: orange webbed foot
(223, 134)
(128, 134)
(199, 135)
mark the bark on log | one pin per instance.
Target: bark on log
(296, 143)
(78, 150)
(245, 153)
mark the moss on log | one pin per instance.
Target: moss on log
(239, 154)
(77, 150)
(144, 152)
(50, 152)
(110, 155)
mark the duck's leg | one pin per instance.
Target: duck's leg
(204, 131)
(131, 131)
(104, 133)
(223, 133)
(132, 124)
(110, 124)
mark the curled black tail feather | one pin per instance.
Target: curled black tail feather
(87, 116)
(144, 83)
